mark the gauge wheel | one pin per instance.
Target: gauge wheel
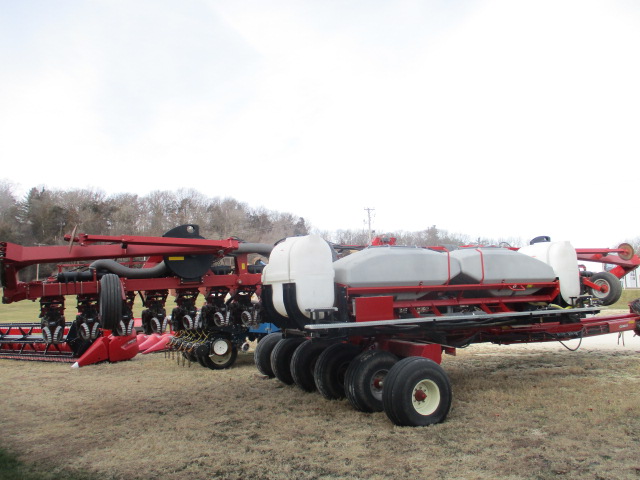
(221, 353)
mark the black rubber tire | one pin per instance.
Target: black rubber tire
(201, 360)
(408, 378)
(110, 302)
(390, 380)
(331, 367)
(304, 361)
(363, 383)
(220, 362)
(145, 317)
(614, 292)
(262, 353)
(281, 358)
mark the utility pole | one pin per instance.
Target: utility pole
(369, 210)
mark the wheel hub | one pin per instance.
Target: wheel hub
(220, 347)
(426, 397)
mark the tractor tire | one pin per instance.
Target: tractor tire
(331, 367)
(221, 353)
(365, 377)
(304, 361)
(262, 354)
(417, 393)
(613, 287)
(110, 302)
(281, 358)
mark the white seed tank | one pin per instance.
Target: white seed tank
(563, 259)
(307, 262)
(393, 266)
(501, 265)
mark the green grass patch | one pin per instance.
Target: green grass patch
(23, 312)
(628, 296)
(28, 312)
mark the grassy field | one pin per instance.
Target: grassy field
(519, 412)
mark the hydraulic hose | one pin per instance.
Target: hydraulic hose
(128, 272)
(161, 269)
(260, 248)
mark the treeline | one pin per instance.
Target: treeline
(429, 236)
(44, 216)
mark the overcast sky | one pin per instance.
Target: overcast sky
(491, 117)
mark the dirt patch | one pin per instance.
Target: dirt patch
(519, 412)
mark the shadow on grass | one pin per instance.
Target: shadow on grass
(13, 469)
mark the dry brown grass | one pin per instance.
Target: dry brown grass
(519, 412)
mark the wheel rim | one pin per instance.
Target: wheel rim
(220, 347)
(376, 383)
(220, 351)
(425, 397)
(598, 293)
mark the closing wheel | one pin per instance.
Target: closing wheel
(220, 354)
(110, 301)
(304, 361)
(191, 356)
(281, 358)
(365, 378)
(610, 285)
(200, 360)
(331, 368)
(417, 392)
(262, 353)
(200, 352)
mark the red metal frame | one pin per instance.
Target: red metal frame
(127, 250)
(15, 257)
(625, 260)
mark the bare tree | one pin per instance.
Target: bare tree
(9, 230)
